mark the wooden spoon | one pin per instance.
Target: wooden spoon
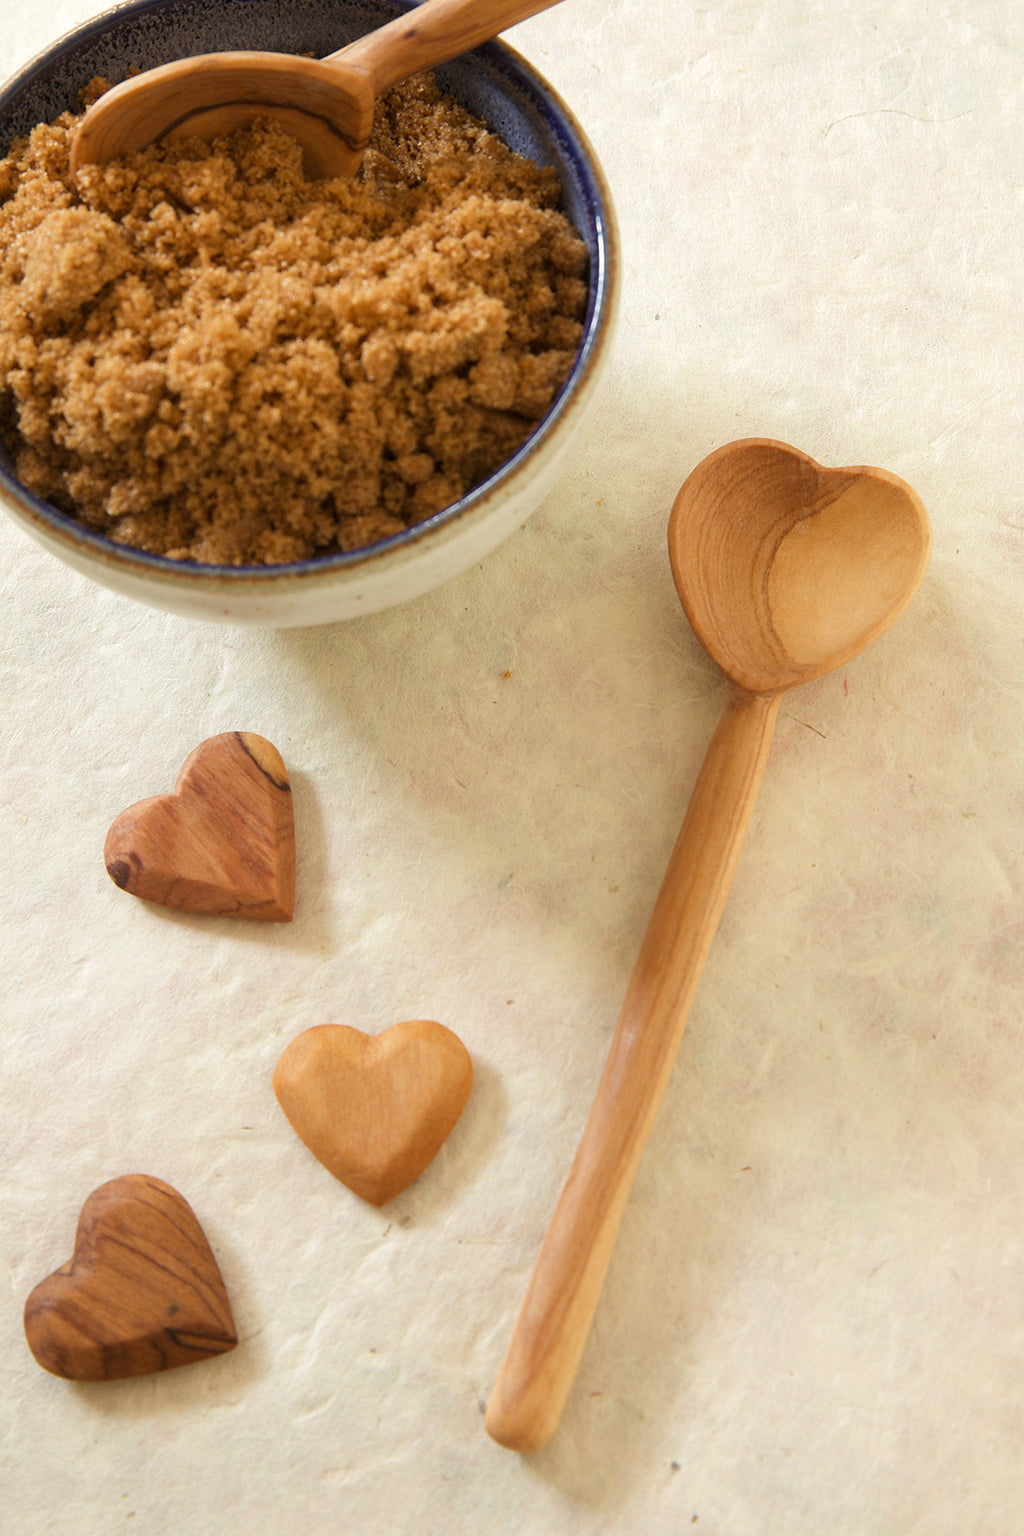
(785, 570)
(327, 104)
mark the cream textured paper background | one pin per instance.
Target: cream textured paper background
(814, 1319)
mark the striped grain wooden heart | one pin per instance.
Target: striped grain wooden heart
(222, 844)
(141, 1293)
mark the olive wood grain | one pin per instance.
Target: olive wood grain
(327, 104)
(142, 1292)
(786, 570)
(222, 844)
(375, 1109)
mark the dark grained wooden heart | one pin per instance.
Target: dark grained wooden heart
(142, 1292)
(375, 1109)
(223, 843)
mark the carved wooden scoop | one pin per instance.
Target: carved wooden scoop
(327, 104)
(785, 570)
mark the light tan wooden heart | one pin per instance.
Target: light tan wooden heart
(375, 1109)
(142, 1292)
(222, 844)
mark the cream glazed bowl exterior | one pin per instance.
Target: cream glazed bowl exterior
(497, 85)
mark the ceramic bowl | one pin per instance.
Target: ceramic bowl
(493, 82)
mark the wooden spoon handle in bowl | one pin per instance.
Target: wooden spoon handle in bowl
(430, 34)
(326, 103)
(554, 1320)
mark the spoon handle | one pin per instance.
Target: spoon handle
(554, 1320)
(431, 33)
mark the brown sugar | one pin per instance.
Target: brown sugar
(206, 356)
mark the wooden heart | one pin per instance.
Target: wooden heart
(375, 1109)
(222, 843)
(142, 1292)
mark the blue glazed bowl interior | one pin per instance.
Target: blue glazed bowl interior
(492, 82)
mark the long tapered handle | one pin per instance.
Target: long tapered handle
(554, 1320)
(432, 33)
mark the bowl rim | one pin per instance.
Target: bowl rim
(92, 545)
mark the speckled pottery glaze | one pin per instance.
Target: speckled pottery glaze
(493, 82)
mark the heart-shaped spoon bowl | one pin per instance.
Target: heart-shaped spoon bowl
(855, 535)
(492, 82)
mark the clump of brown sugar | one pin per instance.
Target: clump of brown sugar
(206, 356)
